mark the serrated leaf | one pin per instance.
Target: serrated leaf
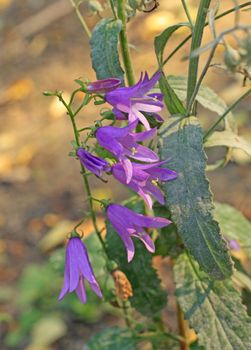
(161, 40)
(104, 49)
(113, 338)
(229, 139)
(213, 308)
(234, 225)
(148, 296)
(189, 198)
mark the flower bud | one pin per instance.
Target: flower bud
(103, 86)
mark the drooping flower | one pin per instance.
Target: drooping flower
(145, 179)
(94, 164)
(77, 269)
(103, 86)
(135, 99)
(129, 224)
(122, 143)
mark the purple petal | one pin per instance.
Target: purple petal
(73, 251)
(144, 135)
(155, 192)
(134, 114)
(96, 289)
(66, 284)
(148, 84)
(80, 291)
(148, 242)
(144, 154)
(127, 165)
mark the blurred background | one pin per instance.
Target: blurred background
(43, 47)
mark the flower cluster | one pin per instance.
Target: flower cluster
(137, 166)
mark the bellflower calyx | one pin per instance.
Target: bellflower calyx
(129, 224)
(77, 269)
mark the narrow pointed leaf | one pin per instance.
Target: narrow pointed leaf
(189, 198)
(213, 308)
(104, 49)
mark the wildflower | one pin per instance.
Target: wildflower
(123, 144)
(135, 99)
(129, 224)
(145, 179)
(93, 163)
(77, 269)
(103, 86)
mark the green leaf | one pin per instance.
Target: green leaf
(104, 49)
(189, 198)
(161, 40)
(213, 308)
(166, 243)
(234, 225)
(113, 338)
(172, 101)
(206, 97)
(148, 296)
(229, 139)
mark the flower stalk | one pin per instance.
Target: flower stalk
(124, 43)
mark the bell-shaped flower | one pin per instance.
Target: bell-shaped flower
(95, 164)
(77, 270)
(145, 179)
(103, 86)
(122, 143)
(136, 99)
(129, 224)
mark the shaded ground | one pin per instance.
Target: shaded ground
(39, 182)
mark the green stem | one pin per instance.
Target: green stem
(223, 14)
(124, 43)
(196, 42)
(209, 132)
(84, 174)
(187, 13)
(113, 8)
(81, 19)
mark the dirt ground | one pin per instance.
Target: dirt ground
(40, 184)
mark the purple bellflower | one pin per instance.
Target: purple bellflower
(145, 179)
(122, 143)
(77, 269)
(129, 224)
(135, 99)
(103, 86)
(94, 164)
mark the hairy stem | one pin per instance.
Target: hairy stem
(84, 174)
(196, 42)
(229, 109)
(124, 43)
(81, 19)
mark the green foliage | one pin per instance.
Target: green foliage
(189, 197)
(113, 338)
(213, 308)
(234, 225)
(172, 101)
(161, 40)
(166, 243)
(148, 297)
(104, 49)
